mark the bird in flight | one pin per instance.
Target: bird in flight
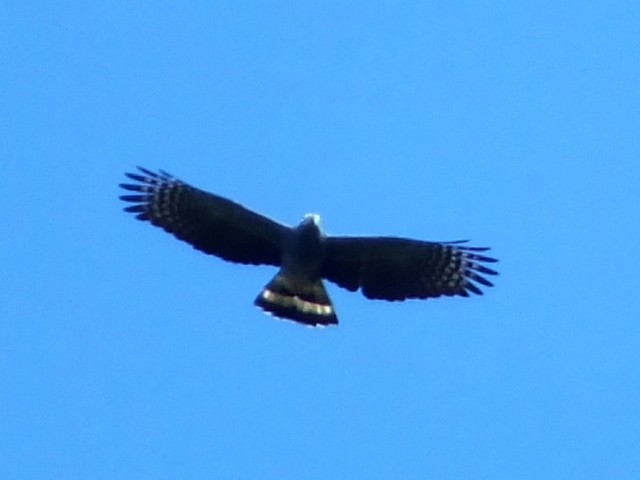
(385, 268)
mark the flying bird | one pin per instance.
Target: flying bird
(386, 268)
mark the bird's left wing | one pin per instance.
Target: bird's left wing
(391, 268)
(212, 224)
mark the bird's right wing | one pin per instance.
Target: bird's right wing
(211, 224)
(391, 268)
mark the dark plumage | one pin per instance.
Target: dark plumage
(386, 268)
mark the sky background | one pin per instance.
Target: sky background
(126, 354)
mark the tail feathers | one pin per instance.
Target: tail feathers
(301, 301)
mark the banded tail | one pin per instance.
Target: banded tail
(303, 301)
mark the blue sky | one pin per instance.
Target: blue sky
(126, 354)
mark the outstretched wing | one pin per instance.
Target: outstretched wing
(210, 223)
(390, 268)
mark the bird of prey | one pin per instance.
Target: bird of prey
(386, 268)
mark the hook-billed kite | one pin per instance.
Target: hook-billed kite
(386, 268)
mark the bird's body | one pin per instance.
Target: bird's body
(297, 291)
(388, 268)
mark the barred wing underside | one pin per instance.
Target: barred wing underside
(211, 224)
(391, 268)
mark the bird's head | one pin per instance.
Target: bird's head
(311, 219)
(310, 224)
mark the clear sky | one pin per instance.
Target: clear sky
(126, 354)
